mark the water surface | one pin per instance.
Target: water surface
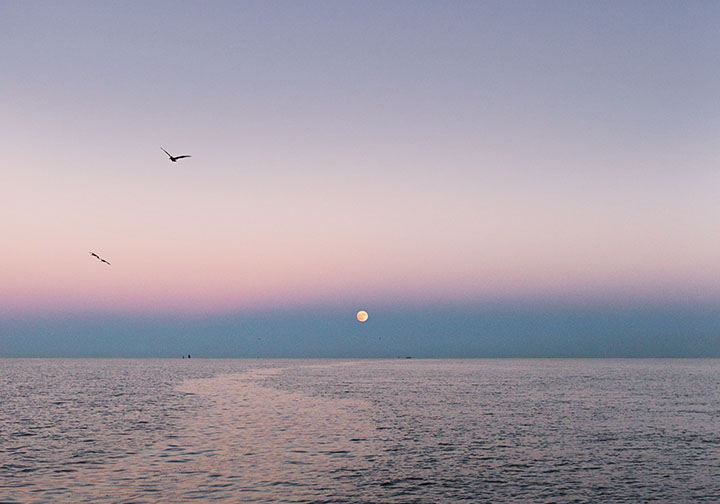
(385, 431)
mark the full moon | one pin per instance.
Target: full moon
(362, 315)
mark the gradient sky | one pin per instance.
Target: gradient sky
(431, 162)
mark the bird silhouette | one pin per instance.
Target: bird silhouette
(99, 258)
(173, 158)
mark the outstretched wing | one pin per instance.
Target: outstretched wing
(180, 157)
(166, 152)
(94, 255)
(103, 260)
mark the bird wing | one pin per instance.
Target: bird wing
(166, 152)
(103, 260)
(94, 255)
(180, 157)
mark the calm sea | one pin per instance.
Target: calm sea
(370, 431)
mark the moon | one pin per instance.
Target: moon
(362, 315)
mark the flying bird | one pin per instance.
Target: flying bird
(99, 258)
(172, 158)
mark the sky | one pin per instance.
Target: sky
(484, 178)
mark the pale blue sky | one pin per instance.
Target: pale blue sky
(436, 156)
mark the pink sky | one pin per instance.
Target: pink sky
(357, 161)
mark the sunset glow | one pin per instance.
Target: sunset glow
(423, 154)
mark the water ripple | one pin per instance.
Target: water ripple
(362, 431)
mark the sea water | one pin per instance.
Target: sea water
(362, 431)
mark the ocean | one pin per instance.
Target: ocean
(359, 431)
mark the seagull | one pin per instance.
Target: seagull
(172, 158)
(99, 258)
